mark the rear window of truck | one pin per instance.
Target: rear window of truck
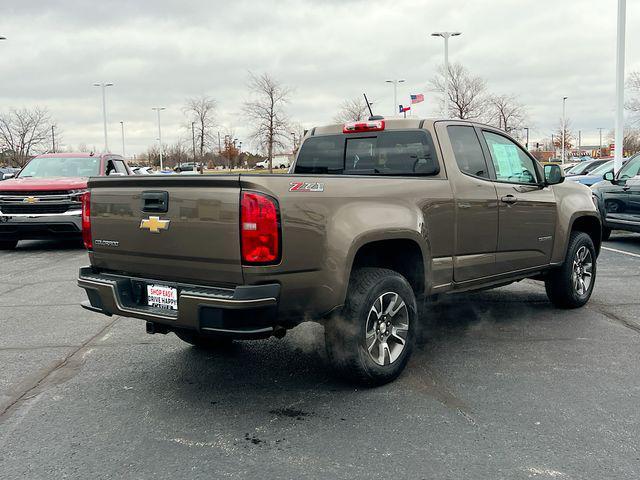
(380, 153)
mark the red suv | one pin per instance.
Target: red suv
(44, 200)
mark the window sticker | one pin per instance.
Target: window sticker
(507, 159)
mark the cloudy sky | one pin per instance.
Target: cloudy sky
(161, 52)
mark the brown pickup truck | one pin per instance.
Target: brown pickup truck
(373, 219)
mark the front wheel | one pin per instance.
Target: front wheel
(571, 285)
(371, 340)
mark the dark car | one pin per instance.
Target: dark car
(618, 198)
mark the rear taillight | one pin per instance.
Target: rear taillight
(369, 126)
(259, 229)
(86, 220)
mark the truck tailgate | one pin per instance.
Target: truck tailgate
(199, 243)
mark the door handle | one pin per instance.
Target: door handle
(626, 187)
(509, 199)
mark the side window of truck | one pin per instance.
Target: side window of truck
(512, 165)
(467, 151)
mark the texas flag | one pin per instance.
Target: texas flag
(417, 98)
(404, 109)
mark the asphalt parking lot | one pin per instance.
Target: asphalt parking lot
(503, 387)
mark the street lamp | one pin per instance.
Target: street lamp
(526, 144)
(395, 94)
(103, 86)
(600, 130)
(446, 36)
(564, 127)
(158, 109)
(122, 128)
(293, 134)
(619, 135)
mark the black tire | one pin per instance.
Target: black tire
(8, 244)
(606, 233)
(346, 332)
(204, 341)
(561, 288)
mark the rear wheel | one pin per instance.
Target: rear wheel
(207, 341)
(8, 244)
(372, 339)
(571, 285)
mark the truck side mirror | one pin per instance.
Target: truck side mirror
(609, 176)
(553, 174)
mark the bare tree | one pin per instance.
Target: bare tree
(266, 111)
(468, 97)
(568, 135)
(352, 110)
(25, 132)
(506, 113)
(633, 84)
(202, 112)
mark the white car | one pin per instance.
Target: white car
(278, 162)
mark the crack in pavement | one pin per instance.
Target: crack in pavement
(612, 316)
(62, 371)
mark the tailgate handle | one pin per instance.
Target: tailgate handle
(155, 202)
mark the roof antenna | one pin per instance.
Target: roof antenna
(372, 117)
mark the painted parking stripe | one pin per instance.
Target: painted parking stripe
(621, 251)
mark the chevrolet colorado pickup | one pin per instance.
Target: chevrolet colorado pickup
(43, 201)
(372, 219)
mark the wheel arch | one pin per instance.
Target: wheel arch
(403, 252)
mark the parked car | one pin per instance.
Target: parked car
(8, 172)
(375, 217)
(595, 175)
(142, 170)
(618, 198)
(44, 200)
(583, 168)
(278, 161)
(187, 167)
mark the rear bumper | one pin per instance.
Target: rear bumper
(243, 312)
(36, 226)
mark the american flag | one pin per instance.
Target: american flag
(404, 109)
(417, 98)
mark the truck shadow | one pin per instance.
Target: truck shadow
(50, 245)
(298, 363)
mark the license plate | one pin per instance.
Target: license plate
(161, 296)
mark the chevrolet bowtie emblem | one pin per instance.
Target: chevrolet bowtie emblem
(154, 224)
(31, 200)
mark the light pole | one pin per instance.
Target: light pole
(446, 36)
(526, 145)
(395, 95)
(600, 130)
(293, 134)
(564, 128)
(53, 139)
(193, 140)
(103, 86)
(122, 129)
(619, 136)
(158, 109)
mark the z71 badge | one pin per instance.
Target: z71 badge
(306, 187)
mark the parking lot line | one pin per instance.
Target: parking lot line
(621, 251)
